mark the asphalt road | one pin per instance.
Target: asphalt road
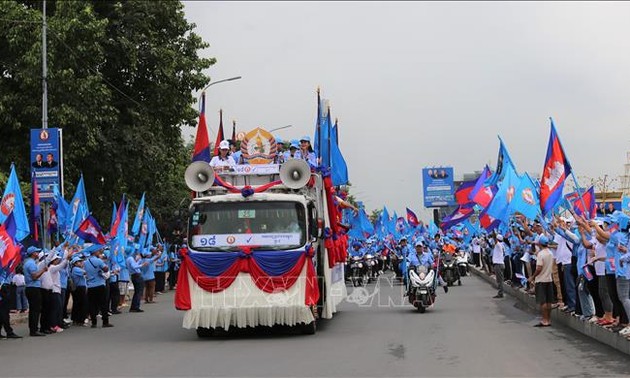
(467, 334)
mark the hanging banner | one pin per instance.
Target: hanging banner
(46, 161)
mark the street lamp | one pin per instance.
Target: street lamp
(220, 81)
(280, 128)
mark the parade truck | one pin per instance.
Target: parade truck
(263, 246)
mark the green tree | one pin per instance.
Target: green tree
(120, 78)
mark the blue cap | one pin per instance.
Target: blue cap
(75, 258)
(32, 249)
(92, 249)
(543, 240)
(294, 143)
(306, 138)
(356, 244)
(279, 140)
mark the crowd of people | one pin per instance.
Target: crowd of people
(579, 266)
(229, 154)
(74, 285)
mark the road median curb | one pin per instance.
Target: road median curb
(591, 330)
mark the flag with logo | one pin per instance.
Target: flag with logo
(9, 249)
(526, 199)
(505, 193)
(555, 171)
(412, 219)
(79, 206)
(13, 203)
(137, 221)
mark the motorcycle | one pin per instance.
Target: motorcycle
(462, 265)
(371, 271)
(421, 288)
(357, 269)
(395, 264)
(450, 272)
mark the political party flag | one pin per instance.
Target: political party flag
(118, 218)
(137, 221)
(339, 169)
(36, 210)
(80, 209)
(53, 224)
(506, 189)
(90, 231)
(555, 171)
(526, 199)
(13, 203)
(503, 162)
(412, 219)
(62, 210)
(588, 199)
(9, 249)
(433, 229)
(201, 150)
(220, 135)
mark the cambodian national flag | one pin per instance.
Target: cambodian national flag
(460, 214)
(555, 172)
(9, 249)
(90, 231)
(488, 222)
(587, 273)
(588, 199)
(412, 219)
(463, 192)
(201, 151)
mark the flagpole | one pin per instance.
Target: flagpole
(44, 209)
(318, 126)
(328, 137)
(577, 185)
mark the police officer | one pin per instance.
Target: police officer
(96, 272)
(33, 270)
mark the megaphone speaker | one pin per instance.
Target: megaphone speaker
(199, 176)
(294, 173)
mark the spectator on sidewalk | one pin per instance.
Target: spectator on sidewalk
(33, 270)
(543, 281)
(20, 290)
(5, 316)
(498, 259)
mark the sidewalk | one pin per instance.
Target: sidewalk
(591, 330)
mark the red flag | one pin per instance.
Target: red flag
(90, 231)
(201, 151)
(220, 136)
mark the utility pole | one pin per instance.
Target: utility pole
(46, 243)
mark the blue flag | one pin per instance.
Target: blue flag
(339, 167)
(62, 210)
(79, 206)
(503, 162)
(507, 187)
(323, 129)
(137, 221)
(13, 202)
(526, 200)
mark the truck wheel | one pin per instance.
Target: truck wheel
(204, 332)
(310, 328)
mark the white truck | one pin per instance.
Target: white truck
(256, 251)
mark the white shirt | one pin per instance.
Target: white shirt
(18, 280)
(55, 275)
(218, 162)
(563, 253)
(497, 254)
(600, 252)
(475, 246)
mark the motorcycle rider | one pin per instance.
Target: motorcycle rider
(425, 258)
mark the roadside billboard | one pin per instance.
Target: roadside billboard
(46, 161)
(438, 187)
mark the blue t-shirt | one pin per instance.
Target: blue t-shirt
(619, 238)
(63, 277)
(93, 267)
(77, 275)
(30, 267)
(123, 276)
(426, 259)
(148, 271)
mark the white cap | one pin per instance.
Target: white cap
(224, 145)
(499, 237)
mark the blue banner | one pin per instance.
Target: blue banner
(438, 187)
(46, 161)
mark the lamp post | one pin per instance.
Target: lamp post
(203, 91)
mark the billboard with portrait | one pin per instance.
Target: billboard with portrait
(438, 187)
(46, 161)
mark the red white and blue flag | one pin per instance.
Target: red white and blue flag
(201, 151)
(588, 199)
(412, 219)
(9, 249)
(460, 214)
(90, 231)
(555, 172)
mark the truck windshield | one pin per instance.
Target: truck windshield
(229, 226)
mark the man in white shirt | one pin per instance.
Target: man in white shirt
(498, 258)
(476, 249)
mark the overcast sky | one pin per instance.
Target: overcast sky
(423, 84)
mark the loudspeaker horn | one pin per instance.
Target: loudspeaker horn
(199, 176)
(294, 174)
